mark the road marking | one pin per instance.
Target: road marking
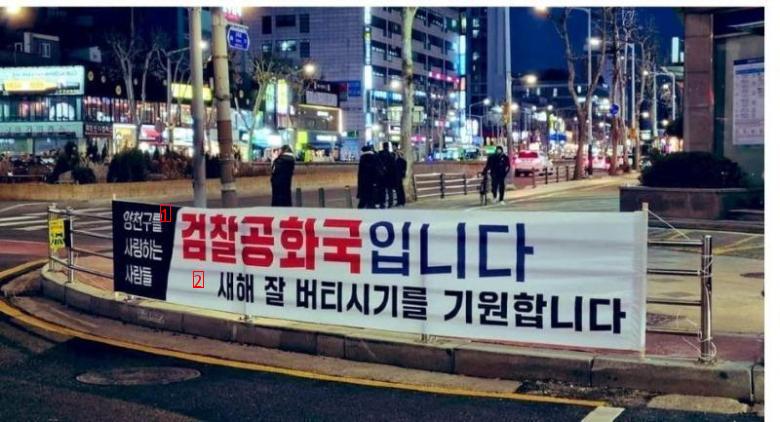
(30, 320)
(603, 414)
(17, 206)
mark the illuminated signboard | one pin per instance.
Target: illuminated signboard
(59, 80)
(184, 92)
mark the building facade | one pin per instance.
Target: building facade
(359, 49)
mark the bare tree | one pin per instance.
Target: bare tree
(134, 56)
(646, 39)
(176, 65)
(407, 15)
(562, 26)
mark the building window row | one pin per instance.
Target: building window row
(286, 21)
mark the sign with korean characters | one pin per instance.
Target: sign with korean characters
(570, 279)
(56, 234)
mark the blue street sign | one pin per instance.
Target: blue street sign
(238, 38)
(614, 109)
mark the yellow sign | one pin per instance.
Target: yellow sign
(184, 91)
(35, 85)
(56, 234)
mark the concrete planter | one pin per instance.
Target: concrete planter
(709, 204)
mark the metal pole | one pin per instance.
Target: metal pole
(655, 108)
(590, 100)
(48, 218)
(706, 348)
(222, 98)
(198, 160)
(674, 96)
(298, 197)
(508, 69)
(71, 258)
(168, 101)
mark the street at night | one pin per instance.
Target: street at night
(383, 213)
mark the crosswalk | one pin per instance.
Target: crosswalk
(34, 221)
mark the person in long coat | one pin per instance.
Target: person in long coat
(282, 171)
(367, 178)
(400, 176)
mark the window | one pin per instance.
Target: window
(45, 49)
(380, 23)
(379, 72)
(378, 48)
(305, 50)
(419, 58)
(285, 21)
(266, 24)
(304, 27)
(418, 36)
(394, 51)
(267, 47)
(448, 65)
(287, 46)
(394, 28)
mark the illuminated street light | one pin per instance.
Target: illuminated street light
(13, 10)
(665, 86)
(664, 123)
(645, 72)
(595, 42)
(515, 107)
(541, 10)
(395, 84)
(601, 124)
(486, 101)
(204, 45)
(645, 115)
(530, 79)
(549, 107)
(309, 69)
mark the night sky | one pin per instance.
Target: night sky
(537, 46)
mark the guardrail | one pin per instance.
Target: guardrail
(556, 175)
(704, 274)
(23, 178)
(71, 229)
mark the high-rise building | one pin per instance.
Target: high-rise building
(360, 49)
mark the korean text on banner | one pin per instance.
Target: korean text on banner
(574, 279)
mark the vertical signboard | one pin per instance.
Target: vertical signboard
(748, 102)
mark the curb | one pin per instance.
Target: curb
(14, 272)
(456, 356)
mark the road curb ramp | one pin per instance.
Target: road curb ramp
(456, 356)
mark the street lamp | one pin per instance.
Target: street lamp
(515, 107)
(13, 10)
(655, 97)
(485, 102)
(530, 79)
(309, 69)
(395, 84)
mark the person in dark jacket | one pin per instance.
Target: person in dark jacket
(400, 176)
(368, 177)
(387, 176)
(282, 171)
(498, 166)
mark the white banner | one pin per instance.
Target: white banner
(571, 279)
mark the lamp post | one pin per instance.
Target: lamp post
(590, 82)
(655, 98)
(196, 62)
(485, 103)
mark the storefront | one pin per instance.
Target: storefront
(41, 108)
(318, 130)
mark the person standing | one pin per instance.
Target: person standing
(282, 171)
(498, 166)
(367, 178)
(388, 176)
(400, 176)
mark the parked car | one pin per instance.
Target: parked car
(529, 162)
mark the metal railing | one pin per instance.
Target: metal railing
(704, 274)
(428, 185)
(556, 175)
(72, 219)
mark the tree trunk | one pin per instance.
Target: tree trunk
(408, 98)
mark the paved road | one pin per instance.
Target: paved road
(38, 377)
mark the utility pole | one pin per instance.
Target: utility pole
(222, 98)
(655, 108)
(196, 66)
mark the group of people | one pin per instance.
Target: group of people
(381, 178)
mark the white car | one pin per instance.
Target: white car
(529, 162)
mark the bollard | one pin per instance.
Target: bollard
(567, 173)
(348, 196)
(321, 197)
(52, 207)
(465, 185)
(545, 175)
(441, 184)
(298, 197)
(533, 177)
(706, 346)
(557, 175)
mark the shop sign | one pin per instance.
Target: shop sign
(318, 118)
(184, 92)
(42, 129)
(97, 129)
(322, 98)
(59, 80)
(56, 234)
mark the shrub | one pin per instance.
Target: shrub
(83, 175)
(691, 170)
(129, 166)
